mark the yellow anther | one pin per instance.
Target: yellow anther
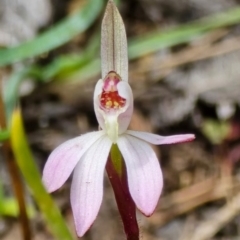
(108, 103)
(116, 104)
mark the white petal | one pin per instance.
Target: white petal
(111, 125)
(98, 112)
(116, 121)
(107, 121)
(114, 53)
(158, 140)
(124, 118)
(87, 185)
(64, 158)
(144, 173)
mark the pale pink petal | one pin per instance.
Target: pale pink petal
(64, 158)
(98, 112)
(158, 140)
(87, 185)
(125, 116)
(144, 173)
(117, 120)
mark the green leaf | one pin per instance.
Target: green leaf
(146, 44)
(4, 135)
(89, 70)
(215, 131)
(56, 36)
(149, 43)
(9, 207)
(65, 65)
(10, 92)
(28, 167)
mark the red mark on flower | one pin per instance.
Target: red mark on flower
(110, 98)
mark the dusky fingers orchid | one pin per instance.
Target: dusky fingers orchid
(88, 154)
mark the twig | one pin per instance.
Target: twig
(192, 197)
(200, 53)
(208, 228)
(189, 55)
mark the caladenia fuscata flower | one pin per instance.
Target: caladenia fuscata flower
(87, 156)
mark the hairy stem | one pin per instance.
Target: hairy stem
(126, 206)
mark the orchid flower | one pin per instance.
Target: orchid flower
(86, 156)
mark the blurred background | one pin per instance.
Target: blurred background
(185, 74)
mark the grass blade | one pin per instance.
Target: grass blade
(150, 43)
(10, 93)
(26, 163)
(56, 36)
(181, 34)
(4, 135)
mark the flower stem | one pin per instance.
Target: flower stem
(126, 206)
